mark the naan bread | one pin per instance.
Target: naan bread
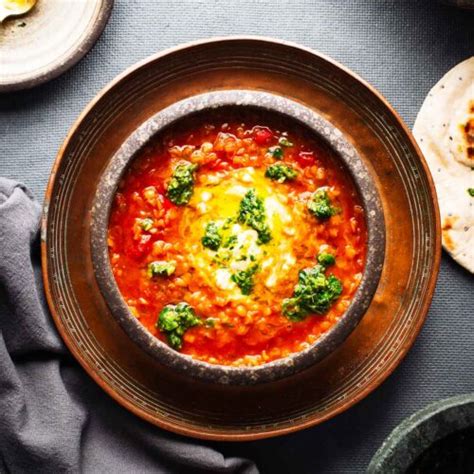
(444, 130)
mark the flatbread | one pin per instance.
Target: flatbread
(444, 130)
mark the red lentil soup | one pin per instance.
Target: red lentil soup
(237, 238)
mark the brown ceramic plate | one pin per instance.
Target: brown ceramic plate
(48, 40)
(398, 309)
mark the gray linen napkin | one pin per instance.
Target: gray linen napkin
(53, 418)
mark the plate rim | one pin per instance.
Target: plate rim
(201, 433)
(77, 53)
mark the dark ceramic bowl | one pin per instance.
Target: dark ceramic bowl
(429, 440)
(349, 157)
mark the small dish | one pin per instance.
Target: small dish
(430, 440)
(48, 40)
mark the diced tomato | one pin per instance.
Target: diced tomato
(214, 165)
(140, 249)
(219, 165)
(305, 158)
(120, 202)
(221, 154)
(160, 186)
(167, 204)
(262, 136)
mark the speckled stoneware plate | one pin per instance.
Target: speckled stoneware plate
(418, 433)
(48, 40)
(386, 332)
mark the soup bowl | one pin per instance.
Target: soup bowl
(345, 153)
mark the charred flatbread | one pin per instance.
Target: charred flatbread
(444, 130)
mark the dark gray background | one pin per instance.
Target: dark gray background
(402, 48)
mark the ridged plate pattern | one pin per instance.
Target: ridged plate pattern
(391, 323)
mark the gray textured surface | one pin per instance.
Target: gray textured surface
(402, 47)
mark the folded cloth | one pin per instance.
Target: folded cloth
(53, 418)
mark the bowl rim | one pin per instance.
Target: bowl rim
(346, 154)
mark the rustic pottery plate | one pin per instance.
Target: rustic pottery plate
(386, 332)
(48, 40)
